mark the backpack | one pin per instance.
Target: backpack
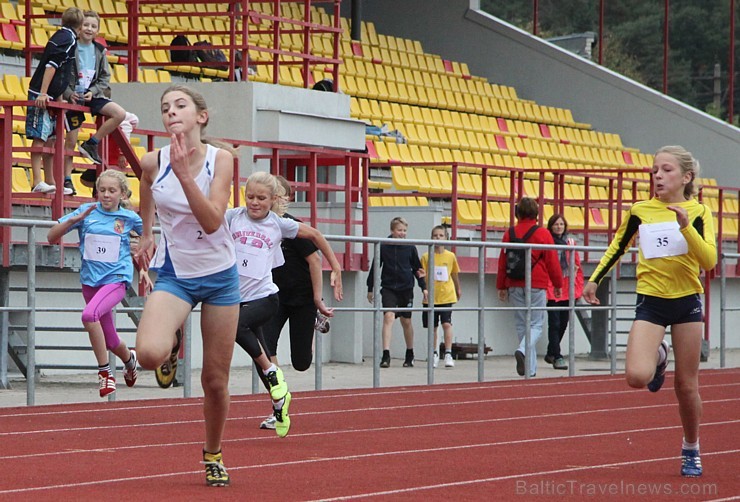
(206, 55)
(181, 56)
(515, 258)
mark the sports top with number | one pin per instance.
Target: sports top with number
(670, 259)
(188, 250)
(257, 245)
(445, 265)
(105, 244)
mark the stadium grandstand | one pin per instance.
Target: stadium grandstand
(436, 111)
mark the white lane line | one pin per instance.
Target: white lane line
(338, 394)
(435, 450)
(359, 410)
(458, 423)
(514, 476)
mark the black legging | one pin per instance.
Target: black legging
(557, 321)
(252, 316)
(302, 319)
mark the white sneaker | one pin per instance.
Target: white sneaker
(268, 423)
(44, 187)
(436, 359)
(67, 191)
(449, 363)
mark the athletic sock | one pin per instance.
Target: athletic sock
(662, 356)
(690, 446)
(271, 368)
(448, 352)
(104, 368)
(93, 141)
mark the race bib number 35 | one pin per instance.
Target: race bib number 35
(659, 240)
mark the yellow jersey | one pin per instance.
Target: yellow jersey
(670, 259)
(445, 266)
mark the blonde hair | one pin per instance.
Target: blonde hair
(200, 106)
(286, 191)
(268, 180)
(688, 164)
(122, 183)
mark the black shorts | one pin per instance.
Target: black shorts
(392, 298)
(74, 119)
(669, 311)
(439, 314)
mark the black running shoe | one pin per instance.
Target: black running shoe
(90, 152)
(385, 361)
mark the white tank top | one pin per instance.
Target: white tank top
(192, 252)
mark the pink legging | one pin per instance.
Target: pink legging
(100, 302)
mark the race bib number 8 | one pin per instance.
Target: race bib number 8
(251, 262)
(659, 240)
(103, 248)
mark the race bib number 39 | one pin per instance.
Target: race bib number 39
(659, 240)
(104, 248)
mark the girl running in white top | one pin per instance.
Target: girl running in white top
(257, 232)
(189, 183)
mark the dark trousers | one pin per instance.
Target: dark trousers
(302, 319)
(557, 322)
(252, 316)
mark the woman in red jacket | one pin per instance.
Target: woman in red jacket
(557, 320)
(545, 270)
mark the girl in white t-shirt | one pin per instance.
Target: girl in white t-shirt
(256, 232)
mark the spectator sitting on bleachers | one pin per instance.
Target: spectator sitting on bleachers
(90, 84)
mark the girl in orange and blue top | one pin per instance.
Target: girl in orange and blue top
(676, 243)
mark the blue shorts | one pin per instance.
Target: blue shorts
(39, 124)
(669, 311)
(221, 288)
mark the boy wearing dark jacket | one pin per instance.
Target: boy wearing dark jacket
(48, 83)
(400, 265)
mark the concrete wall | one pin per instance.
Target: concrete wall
(549, 75)
(253, 111)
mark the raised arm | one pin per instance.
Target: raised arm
(308, 232)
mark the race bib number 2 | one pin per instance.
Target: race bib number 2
(660, 240)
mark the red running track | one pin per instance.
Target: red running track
(587, 438)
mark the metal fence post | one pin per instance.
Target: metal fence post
(31, 302)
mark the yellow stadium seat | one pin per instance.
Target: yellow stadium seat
(82, 190)
(20, 181)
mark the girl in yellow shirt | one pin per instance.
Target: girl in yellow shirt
(676, 242)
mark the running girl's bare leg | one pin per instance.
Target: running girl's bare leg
(686, 340)
(642, 353)
(163, 314)
(218, 327)
(97, 341)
